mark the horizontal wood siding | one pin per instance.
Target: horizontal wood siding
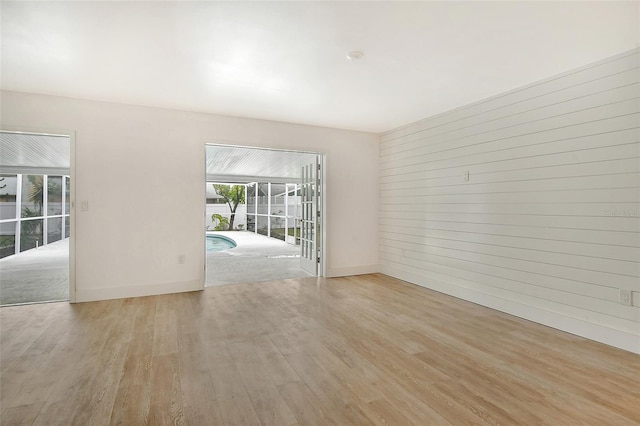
(548, 225)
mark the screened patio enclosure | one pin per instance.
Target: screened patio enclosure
(275, 210)
(273, 205)
(35, 217)
(34, 211)
(269, 208)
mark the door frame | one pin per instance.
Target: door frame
(322, 159)
(72, 191)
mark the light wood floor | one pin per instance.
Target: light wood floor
(359, 350)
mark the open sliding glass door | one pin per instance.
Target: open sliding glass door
(309, 192)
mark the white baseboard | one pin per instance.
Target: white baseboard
(94, 294)
(599, 333)
(352, 270)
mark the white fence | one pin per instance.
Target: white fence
(239, 222)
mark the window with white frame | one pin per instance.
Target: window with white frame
(34, 211)
(273, 210)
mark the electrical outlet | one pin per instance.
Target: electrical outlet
(181, 259)
(465, 176)
(625, 297)
(84, 206)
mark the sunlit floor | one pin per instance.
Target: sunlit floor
(256, 258)
(37, 275)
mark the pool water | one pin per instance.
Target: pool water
(219, 243)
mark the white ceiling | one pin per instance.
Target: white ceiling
(287, 61)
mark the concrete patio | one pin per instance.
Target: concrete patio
(37, 275)
(256, 258)
(42, 274)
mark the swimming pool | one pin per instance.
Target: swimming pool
(219, 243)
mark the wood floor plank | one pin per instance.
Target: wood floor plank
(74, 383)
(14, 380)
(411, 378)
(274, 362)
(285, 343)
(166, 395)
(333, 398)
(203, 414)
(414, 407)
(22, 365)
(382, 412)
(39, 386)
(133, 398)
(166, 328)
(487, 379)
(362, 386)
(21, 327)
(237, 411)
(267, 402)
(227, 383)
(95, 401)
(347, 351)
(193, 368)
(23, 415)
(304, 405)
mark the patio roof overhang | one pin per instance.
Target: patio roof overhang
(34, 154)
(234, 164)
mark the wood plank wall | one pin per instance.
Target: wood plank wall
(548, 225)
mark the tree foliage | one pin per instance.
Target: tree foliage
(222, 222)
(36, 190)
(233, 195)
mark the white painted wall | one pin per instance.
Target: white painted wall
(548, 226)
(142, 171)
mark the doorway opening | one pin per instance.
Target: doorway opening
(35, 218)
(264, 214)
